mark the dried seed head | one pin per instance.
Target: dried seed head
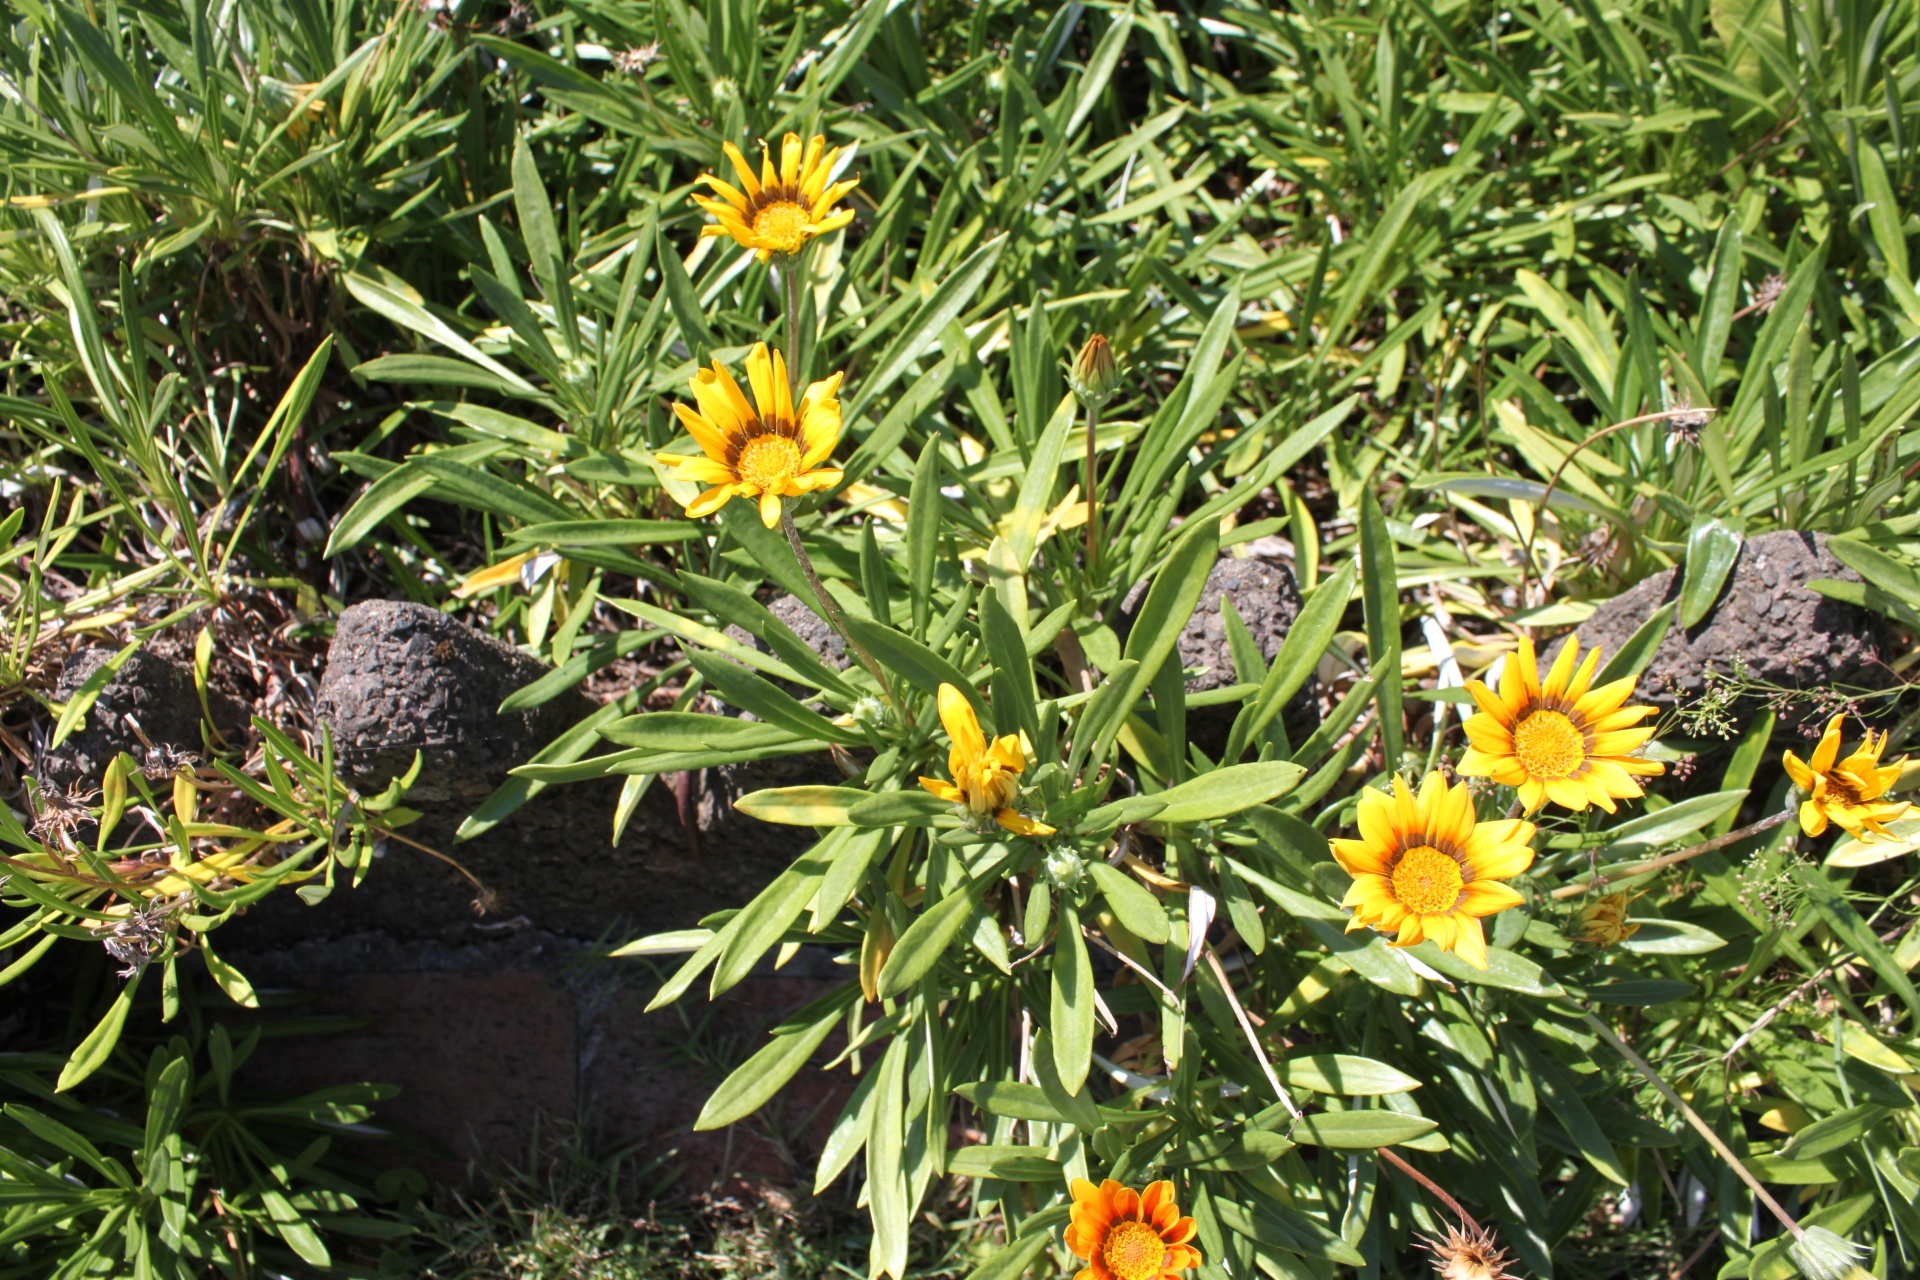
(1766, 294)
(157, 763)
(1472, 1254)
(1604, 922)
(635, 61)
(1684, 422)
(133, 939)
(1598, 547)
(57, 813)
(1095, 375)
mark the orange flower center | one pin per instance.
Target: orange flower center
(1548, 745)
(1134, 1251)
(989, 788)
(782, 226)
(768, 462)
(1842, 790)
(1427, 881)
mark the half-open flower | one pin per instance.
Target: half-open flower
(1425, 868)
(1558, 739)
(1846, 793)
(778, 210)
(764, 449)
(1603, 922)
(986, 775)
(1125, 1234)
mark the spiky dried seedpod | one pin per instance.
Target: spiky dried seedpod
(1470, 1254)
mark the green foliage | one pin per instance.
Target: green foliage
(168, 1168)
(1489, 313)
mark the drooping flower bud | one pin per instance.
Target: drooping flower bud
(1822, 1255)
(1604, 922)
(1094, 376)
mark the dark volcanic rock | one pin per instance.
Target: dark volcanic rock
(401, 678)
(1265, 596)
(1784, 633)
(150, 694)
(812, 629)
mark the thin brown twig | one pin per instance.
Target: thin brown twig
(1699, 1125)
(1393, 1158)
(1553, 481)
(1667, 860)
(1780, 1006)
(1130, 962)
(387, 833)
(1253, 1038)
(1694, 1257)
(74, 876)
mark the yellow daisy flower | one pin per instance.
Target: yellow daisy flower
(985, 775)
(1425, 867)
(780, 210)
(766, 452)
(1847, 793)
(1558, 739)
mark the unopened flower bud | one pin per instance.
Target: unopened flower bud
(1822, 1255)
(1065, 868)
(869, 712)
(1094, 376)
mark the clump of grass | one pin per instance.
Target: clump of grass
(579, 1209)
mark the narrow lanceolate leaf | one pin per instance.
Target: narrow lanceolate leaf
(886, 1174)
(92, 1053)
(1343, 1073)
(1380, 592)
(1896, 576)
(1633, 656)
(925, 941)
(952, 298)
(757, 1079)
(1357, 1130)
(1712, 548)
(1133, 904)
(1163, 615)
(1072, 1004)
(1300, 652)
(1227, 791)
(801, 806)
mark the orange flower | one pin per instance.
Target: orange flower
(1129, 1235)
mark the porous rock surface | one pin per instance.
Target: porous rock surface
(402, 677)
(149, 695)
(1267, 599)
(1783, 633)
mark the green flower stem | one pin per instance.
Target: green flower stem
(790, 270)
(1692, 1117)
(1668, 860)
(1093, 504)
(833, 610)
